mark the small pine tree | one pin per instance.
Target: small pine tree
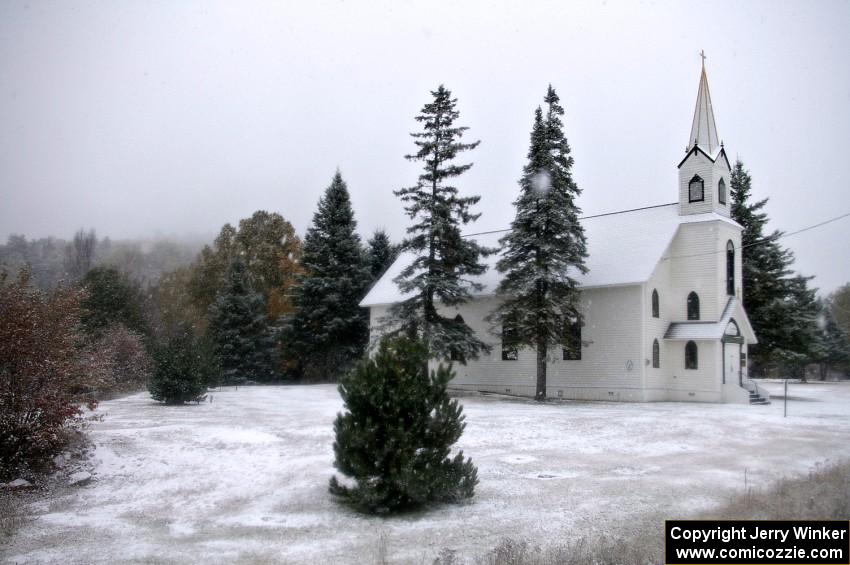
(329, 329)
(179, 371)
(395, 437)
(381, 253)
(545, 247)
(444, 260)
(245, 344)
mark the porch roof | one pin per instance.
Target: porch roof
(695, 330)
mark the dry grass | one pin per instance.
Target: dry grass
(11, 515)
(824, 494)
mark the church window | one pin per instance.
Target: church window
(655, 309)
(572, 342)
(696, 190)
(730, 268)
(693, 306)
(656, 354)
(721, 191)
(691, 355)
(510, 349)
(454, 353)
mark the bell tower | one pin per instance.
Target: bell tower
(705, 171)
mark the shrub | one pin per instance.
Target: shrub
(128, 361)
(395, 438)
(180, 369)
(40, 366)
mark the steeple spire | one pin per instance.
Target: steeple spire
(703, 129)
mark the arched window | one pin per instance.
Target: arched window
(656, 355)
(696, 189)
(693, 306)
(730, 268)
(455, 354)
(655, 309)
(691, 355)
(510, 349)
(721, 191)
(572, 342)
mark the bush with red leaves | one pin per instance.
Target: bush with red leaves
(40, 364)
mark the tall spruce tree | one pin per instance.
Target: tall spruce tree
(781, 307)
(245, 343)
(397, 431)
(329, 330)
(545, 248)
(443, 260)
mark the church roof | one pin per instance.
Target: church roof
(713, 330)
(703, 128)
(623, 249)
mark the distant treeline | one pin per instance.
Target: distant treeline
(53, 259)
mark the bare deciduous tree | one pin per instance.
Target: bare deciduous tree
(79, 254)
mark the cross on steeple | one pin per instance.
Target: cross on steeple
(702, 54)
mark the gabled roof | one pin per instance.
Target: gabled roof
(719, 152)
(623, 249)
(714, 330)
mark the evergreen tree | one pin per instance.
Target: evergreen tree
(444, 260)
(381, 253)
(244, 342)
(781, 308)
(839, 304)
(329, 330)
(835, 343)
(802, 342)
(396, 435)
(545, 247)
(180, 373)
(111, 297)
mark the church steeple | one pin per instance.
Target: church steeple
(703, 128)
(704, 173)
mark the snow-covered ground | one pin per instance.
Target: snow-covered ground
(244, 479)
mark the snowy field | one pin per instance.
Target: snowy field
(244, 479)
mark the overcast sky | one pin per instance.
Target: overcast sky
(142, 118)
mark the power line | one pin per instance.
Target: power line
(766, 240)
(582, 218)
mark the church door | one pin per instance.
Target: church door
(732, 363)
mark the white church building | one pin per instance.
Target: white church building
(662, 304)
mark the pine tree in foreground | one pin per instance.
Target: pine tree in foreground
(244, 342)
(545, 248)
(444, 259)
(396, 435)
(329, 329)
(180, 371)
